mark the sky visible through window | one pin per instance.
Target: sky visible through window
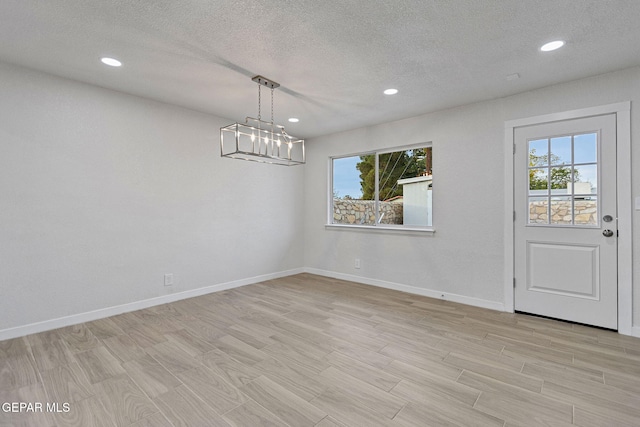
(346, 177)
(585, 151)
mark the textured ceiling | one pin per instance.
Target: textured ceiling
(332, 58)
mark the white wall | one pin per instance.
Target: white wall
(464, 259)
(102, 193)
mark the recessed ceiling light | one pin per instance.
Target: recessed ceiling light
(294, 119)
(548, 47)
(111, 62)
(391, 91)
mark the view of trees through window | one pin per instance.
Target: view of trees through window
(559, 176)
(403, 195)
(563, 180)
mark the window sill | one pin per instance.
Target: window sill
(382, 228)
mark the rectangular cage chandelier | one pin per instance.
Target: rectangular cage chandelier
(261, 141)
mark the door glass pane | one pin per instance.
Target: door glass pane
(585, 179)
(586, 210)
(560, 179)
(538, 213)
(538, 152)
(560, 210)
(560, 151)
(563, 180)
(538, 180)
(585, 148)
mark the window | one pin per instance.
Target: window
(384, 188)
(563, 180)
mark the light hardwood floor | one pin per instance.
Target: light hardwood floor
(312, 351)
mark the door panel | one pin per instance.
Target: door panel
(565, 263)
(547, 269)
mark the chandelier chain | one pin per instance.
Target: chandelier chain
(259, 102)
(271, 107)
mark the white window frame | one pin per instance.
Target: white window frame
(377, 226)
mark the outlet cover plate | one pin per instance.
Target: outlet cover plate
(168, 279)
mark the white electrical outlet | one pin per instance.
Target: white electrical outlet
(168, 279)
(357, 263)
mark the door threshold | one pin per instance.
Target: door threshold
(565, 321)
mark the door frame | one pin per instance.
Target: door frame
(622, 110)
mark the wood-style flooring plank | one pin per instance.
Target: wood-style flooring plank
(595, 417)
(124, 347)
(50, 353)
(523, 412)
(344, 408)
(364, 372)
(495, 369)
(380, 402)
(18, 371)
(607, 399)
(252, 414)
(285, 352)
(444, 413)
(89, 412)
(190, 342)
(302, 381)
(79, 338)
(151, 376)
(124, 400)
(629, 383)
(13, 347)
(235, 372)
(240, 350)
(245, 334)
(104, 328)
(155, 420)
(220, 394)
(98, 364)
(437, 389)
(183, 408)
(284, 404)
(329, 422)
(67, 383)
(172, 357)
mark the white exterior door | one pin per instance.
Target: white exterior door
(565, 226)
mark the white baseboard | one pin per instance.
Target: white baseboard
(476, 302)
(74, 319)
(635, 331)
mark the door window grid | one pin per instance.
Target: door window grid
(563, 180)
